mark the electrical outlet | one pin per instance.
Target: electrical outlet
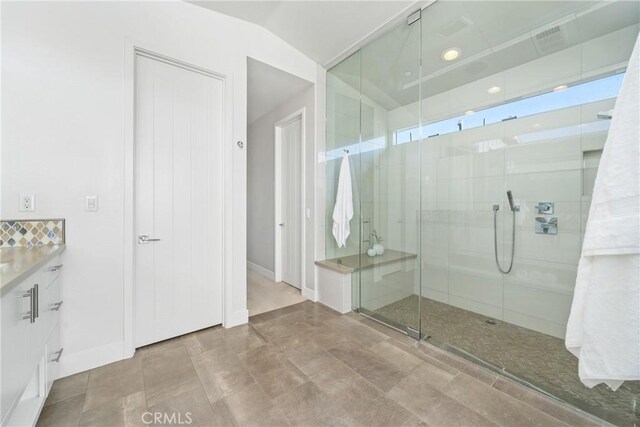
(27, 203)
(91, 204)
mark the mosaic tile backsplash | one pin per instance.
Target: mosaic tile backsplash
(36, 232)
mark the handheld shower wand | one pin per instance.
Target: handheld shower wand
(514, 208)
(510, 197)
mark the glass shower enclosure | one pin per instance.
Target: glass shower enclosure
(442, 117)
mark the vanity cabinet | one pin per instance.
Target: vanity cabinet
(30, 344)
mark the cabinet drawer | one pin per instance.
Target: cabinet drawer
(54, 354)
(51, 271)
(51, 305)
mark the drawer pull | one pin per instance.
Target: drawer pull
(56, 306)
(59, 355)
(36, 305)
(31, 314)
(55, 267)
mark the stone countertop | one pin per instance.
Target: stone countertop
(351, 263)
(19, 262)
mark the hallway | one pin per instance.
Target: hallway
(265, 295)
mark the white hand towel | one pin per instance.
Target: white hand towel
(343, 210)
(604, 326)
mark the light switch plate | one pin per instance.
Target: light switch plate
(27, 203)
(91, 204)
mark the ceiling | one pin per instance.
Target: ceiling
(269, 87)
(493, 36)
(322, 30)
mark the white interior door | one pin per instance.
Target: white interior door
(291, 202)
(178, 200)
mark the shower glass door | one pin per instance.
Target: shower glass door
(511, 93)
(389, 273)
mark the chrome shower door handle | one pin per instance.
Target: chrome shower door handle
(144, 238)
(366, 222)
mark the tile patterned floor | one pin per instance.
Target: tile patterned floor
(302, 365)
(539, 359)
(264, 294)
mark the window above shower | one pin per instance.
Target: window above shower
(558, 98)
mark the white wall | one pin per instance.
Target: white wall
(63, 127)
(261, 175)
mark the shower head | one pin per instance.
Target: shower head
(510, 197)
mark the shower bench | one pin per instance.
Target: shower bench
(336, 275)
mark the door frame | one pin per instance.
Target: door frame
(278, 126)
(132, 49)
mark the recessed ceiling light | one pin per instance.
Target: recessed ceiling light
(408, 73)
(466, 113)
(450, 54)
(559, 88)
(494, 89)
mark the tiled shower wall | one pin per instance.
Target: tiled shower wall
(31, 232)
(461, 184)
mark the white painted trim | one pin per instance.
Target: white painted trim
(277, 238)
(299, 114)
(80, 361)
(319, 174)
(261, 270)
(131, 49)
(128, 347)
(236, 318)
(309, 294)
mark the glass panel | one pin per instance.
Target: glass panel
(510, 96)
(390, 178)
(343, 133)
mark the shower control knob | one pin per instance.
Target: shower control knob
(544, 208)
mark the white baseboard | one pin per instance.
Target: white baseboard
(261, 270)
(80, 361)
(239, 317)
(309, 294)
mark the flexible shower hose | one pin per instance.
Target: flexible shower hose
(495, 240)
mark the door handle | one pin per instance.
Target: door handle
(144, 238)
(58, 355)
(281, 224)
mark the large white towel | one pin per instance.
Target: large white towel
(604, 325)
(343, 210)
